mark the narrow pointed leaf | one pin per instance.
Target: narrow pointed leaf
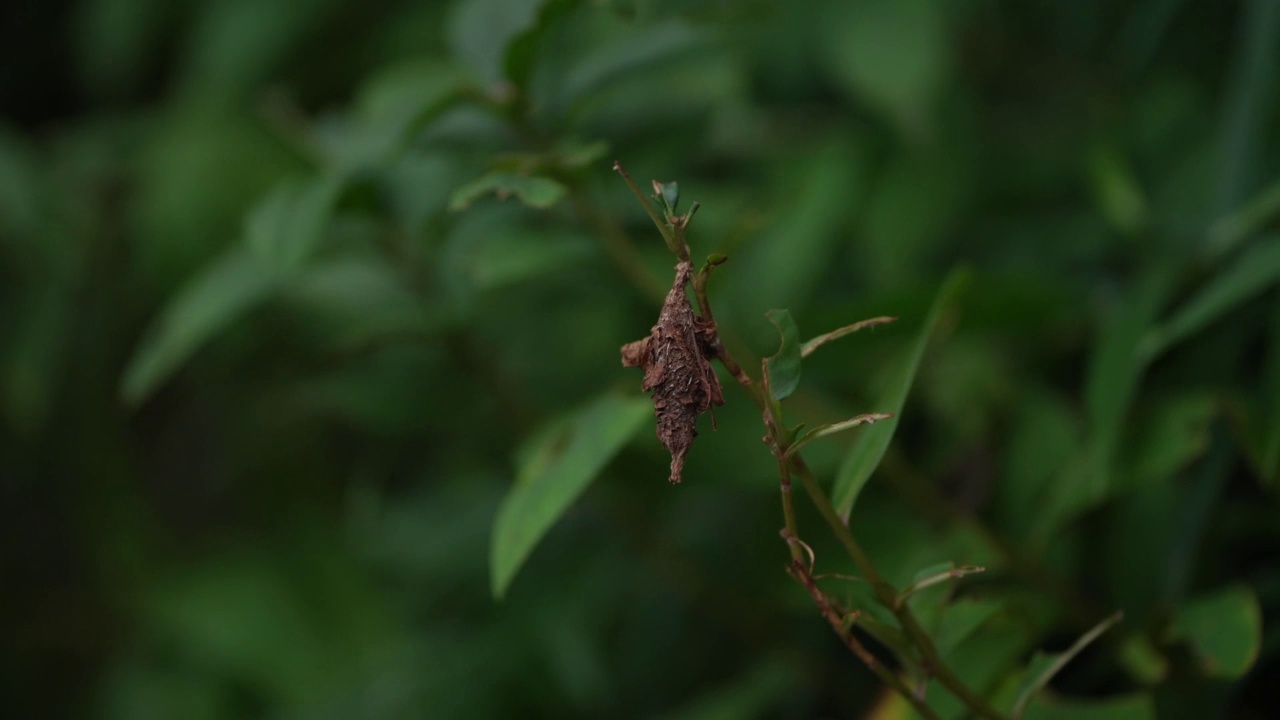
(939, 576)
(1138, 706)
(1224, 631)
(1233, 229)
(392, 108)
(889, 635)
(962, 619)
(520, 56)
(1267, 413)
(1114, 373)
(289, 225)
(807, 349)
(1143, 660)
(865, 456)
(535, 191)
(1254, 272)
(833, 428)
(218, 296)
(1045, 666)
(554, 470)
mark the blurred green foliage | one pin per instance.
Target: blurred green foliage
(291, 294)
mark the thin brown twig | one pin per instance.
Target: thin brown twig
(668, 232)
(845, 632)
(887, 595)
(794, 465)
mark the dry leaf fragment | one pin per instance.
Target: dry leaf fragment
(675, 358)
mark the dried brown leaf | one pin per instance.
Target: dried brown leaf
(675, 358)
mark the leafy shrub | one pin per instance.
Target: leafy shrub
(310, 330)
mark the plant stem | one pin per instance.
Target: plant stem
(788, 510)
(668, 233)
(885, 592)
(925, 497)
(887, 596)
(845, 632)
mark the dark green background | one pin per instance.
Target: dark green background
(251, 468)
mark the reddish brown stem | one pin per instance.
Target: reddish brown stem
(835, 618)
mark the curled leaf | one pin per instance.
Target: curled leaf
(668, 194)
(782, 370)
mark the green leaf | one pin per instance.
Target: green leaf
(1117, 364)
(554, 470)
(985, 657)
(392, 109)
(1044, 665)
(33, 357)
(287, 616)
(810, 346)
(521, 53)
(607, 65)
(927, 593)
(1265, 418)
(22, 189)
(865, 455)
(1251, 274)
(536, 192)
(575, 155)
(358, 300)
(1223, 629)
(1116, 191)
(833, 428)
(481, 31)
(400, 98)
(1126, 707)
(782, 371)
(231, 48)
(286, 228)
(1044, 437)
(1246, 114)
(961, 620)
(770, 685)
(507, 258)
(380, 391)
(1173, 437)
(218, 296)
(936, 575)
(1115, 370)
(244, 617)
(1231, 230)
(814, 195)
(115, 40)
(669, 194)
(892, 54)
(1142, 660)
(876, 619)
(898, 235)
(196, 174)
